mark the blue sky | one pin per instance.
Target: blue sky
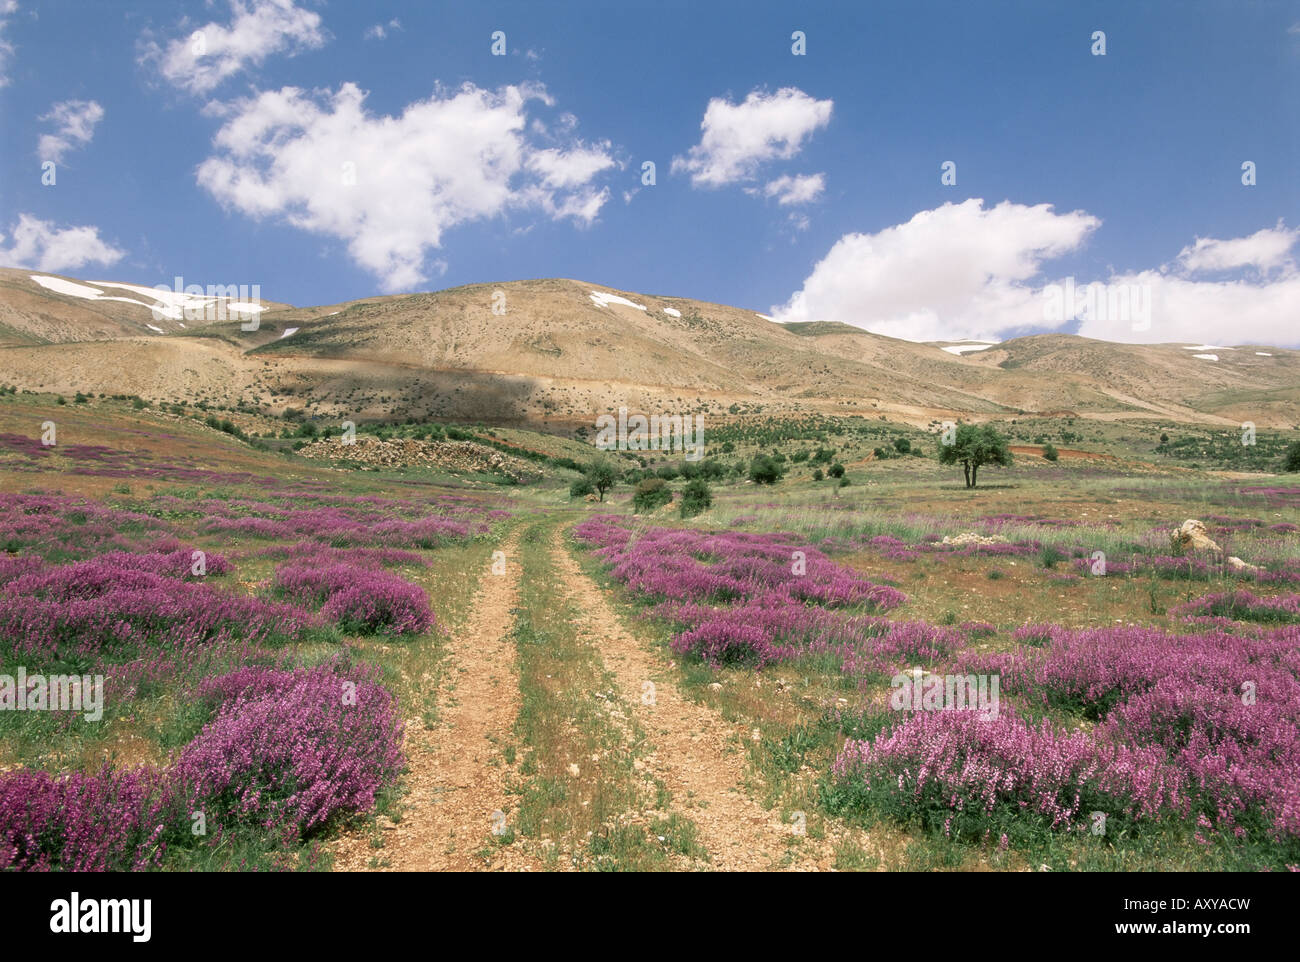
(1123, 169)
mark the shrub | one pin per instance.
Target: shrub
(1050, 452)
(836, 470)
(105, 822)
(1292, 460)
(581, 488)
(764, 470)
(650, 494)
(359, 600)
(290, 749)
(957, 771)
(696, 498)
(902, 445)
(817, 475)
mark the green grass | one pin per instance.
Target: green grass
(583, 804)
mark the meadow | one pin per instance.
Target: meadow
(306, 667)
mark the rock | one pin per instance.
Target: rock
(386, 823)
(1192, 536)
(715, 686)
(1238, 565)
(973, 537)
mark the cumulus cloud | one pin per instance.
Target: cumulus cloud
(208, 55)
(959, 271)
(790, 190)
(391, 186)
(40, 245)
(1185, 310)
(7, 9)
(963, 271)
(1265, 250)
(737, 139)
(74, 126)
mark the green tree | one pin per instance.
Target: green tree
(764, 470)
(1292, 462)
(1050, 452)
(836, 470)
(602, 475)
(902, 445)
(974, 446)
(696, 498)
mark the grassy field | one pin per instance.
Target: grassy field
(617, 739)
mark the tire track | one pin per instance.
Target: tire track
(456, 772)
(697, 753)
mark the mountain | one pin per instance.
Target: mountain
(564, 351)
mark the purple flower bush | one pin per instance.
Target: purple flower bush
(739, 596)
(113, 603)
(59, 528)
(288, 750)
(1242, 606)
(353, 522)
(108, 821)
(1223, 708)
(966, 773)
(360, 600)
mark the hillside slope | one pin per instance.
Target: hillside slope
(565, 351)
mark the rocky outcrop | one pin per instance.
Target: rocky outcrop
(459, 456)
(1191, 536)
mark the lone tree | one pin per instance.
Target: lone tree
(600, 472)
(973, 446)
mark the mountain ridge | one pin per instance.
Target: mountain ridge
(566, 350)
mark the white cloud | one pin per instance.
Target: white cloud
(1264, 250)
(391, 186)
(380, 30)
(570, 168)
(953, 273)
(963, 272)
(40, 245)
(75, 122)
(7, 7)
(738, 138)
(208, 55)
(1209, 312)
(788, 190)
